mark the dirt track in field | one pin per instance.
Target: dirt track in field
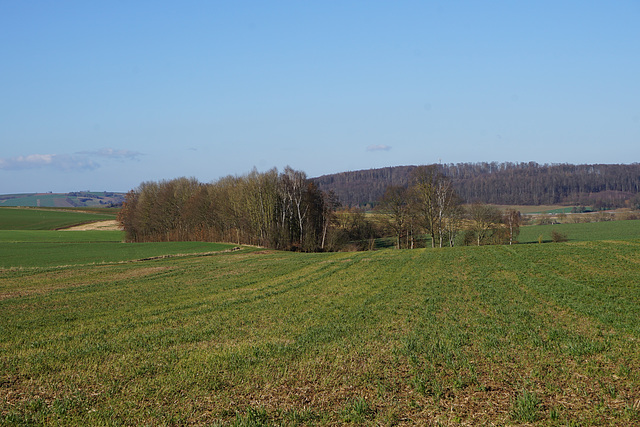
(111, 224)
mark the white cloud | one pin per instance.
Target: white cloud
(379, 147)
(113, 153)
(67, 162)
(56, 161)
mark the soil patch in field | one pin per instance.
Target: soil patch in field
(111, 224)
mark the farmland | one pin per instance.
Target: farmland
(68, 253)
(40, 219)
(66, 200)
(583, 232)
(545, 334)
(28, 240)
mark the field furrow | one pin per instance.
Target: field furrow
(522, 334)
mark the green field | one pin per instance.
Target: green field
(40, 219)
(582, 232)
(536, 334)
(46, 254)
(545, 334)
(66, 236)
(27, 239)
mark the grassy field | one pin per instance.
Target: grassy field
(582, 232)
(40, 219)
(47, 254)
(66, 236)
(540, 334)
(46, 248)
(537, 209)
(28, 240)
(536, 334)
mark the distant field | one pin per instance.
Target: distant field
(496, 335)
(580, 232)
(608, 230)
(62, 199)
(35, 248)
(526, 209)
(27, 240)
(92, 209)
(63, 236)
(39, 219)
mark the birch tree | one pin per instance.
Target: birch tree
(512, 220)
(435, 203)
(293, 185)
(485, 220)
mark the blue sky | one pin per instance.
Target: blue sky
(104, 95)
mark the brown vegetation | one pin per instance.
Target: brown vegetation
(601, 186)
(271, 209)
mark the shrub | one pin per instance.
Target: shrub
(468, 238)
(557, 236)
(545, 220)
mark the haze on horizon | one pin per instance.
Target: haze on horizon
(104, 96)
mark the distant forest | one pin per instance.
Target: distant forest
(600, 186)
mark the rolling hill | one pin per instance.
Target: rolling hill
(63, 200)
(600, 185)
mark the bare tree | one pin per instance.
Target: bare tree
(293, 185)
(485, 219)
(329, 205)
(512, 219)
(127, 216)
(260, 197)
(425, 179)
(446, 210)
(394, 206)
(454, 221)
(435, 203)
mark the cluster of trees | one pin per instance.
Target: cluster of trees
(488, 225)
(501, 183)
(430, 204)
(271, 209)
(288, 211)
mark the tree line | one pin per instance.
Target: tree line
(270, 209)
(288, 211)
(505, 183)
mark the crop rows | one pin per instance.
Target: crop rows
(41, 219)
(530, 333)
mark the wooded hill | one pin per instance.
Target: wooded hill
(599, 185)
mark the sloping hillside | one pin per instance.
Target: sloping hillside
(63, 200)
(503, 183)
